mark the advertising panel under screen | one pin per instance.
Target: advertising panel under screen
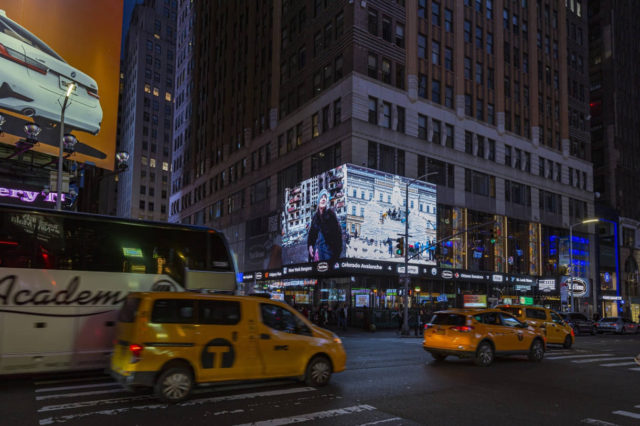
(357, 213)
(49, 48)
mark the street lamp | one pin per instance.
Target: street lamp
(584, 222)
(405, 294)
(69, 141)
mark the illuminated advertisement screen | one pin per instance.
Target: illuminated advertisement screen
(474, 300)
(357, 213)
(46, 46)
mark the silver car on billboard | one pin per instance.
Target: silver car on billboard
(34, 79)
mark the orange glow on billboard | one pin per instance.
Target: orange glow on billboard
(45, 46)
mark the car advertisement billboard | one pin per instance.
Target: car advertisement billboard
(46, 46)
(352, 212)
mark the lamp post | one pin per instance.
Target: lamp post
(405, 294)
(584, 222)
(59, 181)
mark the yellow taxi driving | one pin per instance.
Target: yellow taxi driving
(481, 334)
(172, 341)
(556, 329)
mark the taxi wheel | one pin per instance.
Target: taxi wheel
(567, 342)
(438, 356)
(484, 354)
(318, 371)
(536, 353)
(174, 384)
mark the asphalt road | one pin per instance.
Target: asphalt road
(389, 380)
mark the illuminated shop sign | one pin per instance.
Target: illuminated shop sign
(547, 285)
(474, 300)
(28, 197)
(580, 287)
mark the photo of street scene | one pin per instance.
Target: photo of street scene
(355, 212)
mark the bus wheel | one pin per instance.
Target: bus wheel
(174, 384)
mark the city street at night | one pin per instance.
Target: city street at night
(389, 380)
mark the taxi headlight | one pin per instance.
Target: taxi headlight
(336, 339)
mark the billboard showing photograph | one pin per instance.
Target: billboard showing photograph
(357, 213)
(52, 50)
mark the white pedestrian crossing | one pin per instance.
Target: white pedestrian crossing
(618, 364)
(582, 361)
(578, 356)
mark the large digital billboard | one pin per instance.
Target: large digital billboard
(357, 213)
(44, 47)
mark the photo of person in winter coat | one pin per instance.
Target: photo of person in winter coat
(324, 240)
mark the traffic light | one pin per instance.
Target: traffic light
(400, 246)
(492, 236)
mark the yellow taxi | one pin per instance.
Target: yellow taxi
(172, 341)
(481, 334)
(556, 329)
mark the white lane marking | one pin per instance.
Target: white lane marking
(381, 421)
(95, 403)
(597, 422)
(634, 369)
(617, 364)
(71, 380)
(71, 395)
(65, 418)
(581, 361)
(577, 356)
(312, 416)
(627, 414)
(93, 385)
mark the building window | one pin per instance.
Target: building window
(467, 68)
(448, 97)
(468, 142)
(435, 13)
(401, 119)
(448, 20)
(315, 127)
(422, 46)
(399, 76)
(386, 71)
(448, 58)
(422, 86)
(372, 67)
(386, 115)
(437, 135)
(435, 53)
(337, 112)
(467, 31)
(400, 35)
(373, 110)
(422, 126)
(386, 28)
(435, 91)
(449, 139)
(372, 22)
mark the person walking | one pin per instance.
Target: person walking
(345, 317)
(419, 322)
(400, 320)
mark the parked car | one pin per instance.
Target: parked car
(34, 79)
(555, 328)
(579, 322)
(616, 325)
(481, 334)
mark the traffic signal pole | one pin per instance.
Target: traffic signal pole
(405, 293)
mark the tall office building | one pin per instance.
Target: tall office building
(183, 105)
(146, 131)
(477, 91)
(615, 135)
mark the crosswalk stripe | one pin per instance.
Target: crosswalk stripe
(627, 414)
(617, 364)
(582, 361)
(597, 422)
(74, 394)
(116, 411)
(634, 369)
(93, 385)
(312, 416)
(392, 419)
(577, 356)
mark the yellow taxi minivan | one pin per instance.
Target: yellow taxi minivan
(557, 330)
(171, 341)
(481, 334)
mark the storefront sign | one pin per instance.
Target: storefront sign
(522, 287)
(362, 300)
(496, 278)
(297, 269)
(526, 300)
(447, 275)
(606, 297)
(474, 300)
(547, 285)
(580, 287)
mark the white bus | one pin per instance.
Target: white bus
(64, 275)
